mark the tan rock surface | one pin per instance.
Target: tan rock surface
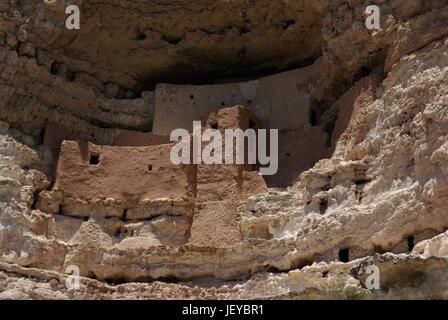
(366, 136)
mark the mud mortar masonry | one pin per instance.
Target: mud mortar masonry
(87, 181)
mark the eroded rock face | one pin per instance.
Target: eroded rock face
(374, 111)
(141, 42)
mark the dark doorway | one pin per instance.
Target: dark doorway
(344, 255)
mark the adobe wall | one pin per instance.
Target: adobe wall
(54, 135)
(233, 117)
(124, 178)
(299, 147)
(279, 101)
(220, 187)
(225, 182)
(141, 187)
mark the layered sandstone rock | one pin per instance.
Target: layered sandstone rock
(363, 150)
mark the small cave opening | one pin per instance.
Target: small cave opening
(272, 269)
(149, 167)
(171, 39)
(379, 249)
(54, 69)
(140, 36)
(42, 133)
(305, 263)
(365, 71)
(323, 206)
(411, 243)
(287, 24)
(169, 279)
(313, 118)
(344, 255)
(362, 181)
(327, 186)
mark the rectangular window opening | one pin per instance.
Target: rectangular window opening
(94, 159)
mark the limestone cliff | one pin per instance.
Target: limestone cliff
(363, 150)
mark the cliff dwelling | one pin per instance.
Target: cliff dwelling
(132, 179)
(87, 181)
(140, 183)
